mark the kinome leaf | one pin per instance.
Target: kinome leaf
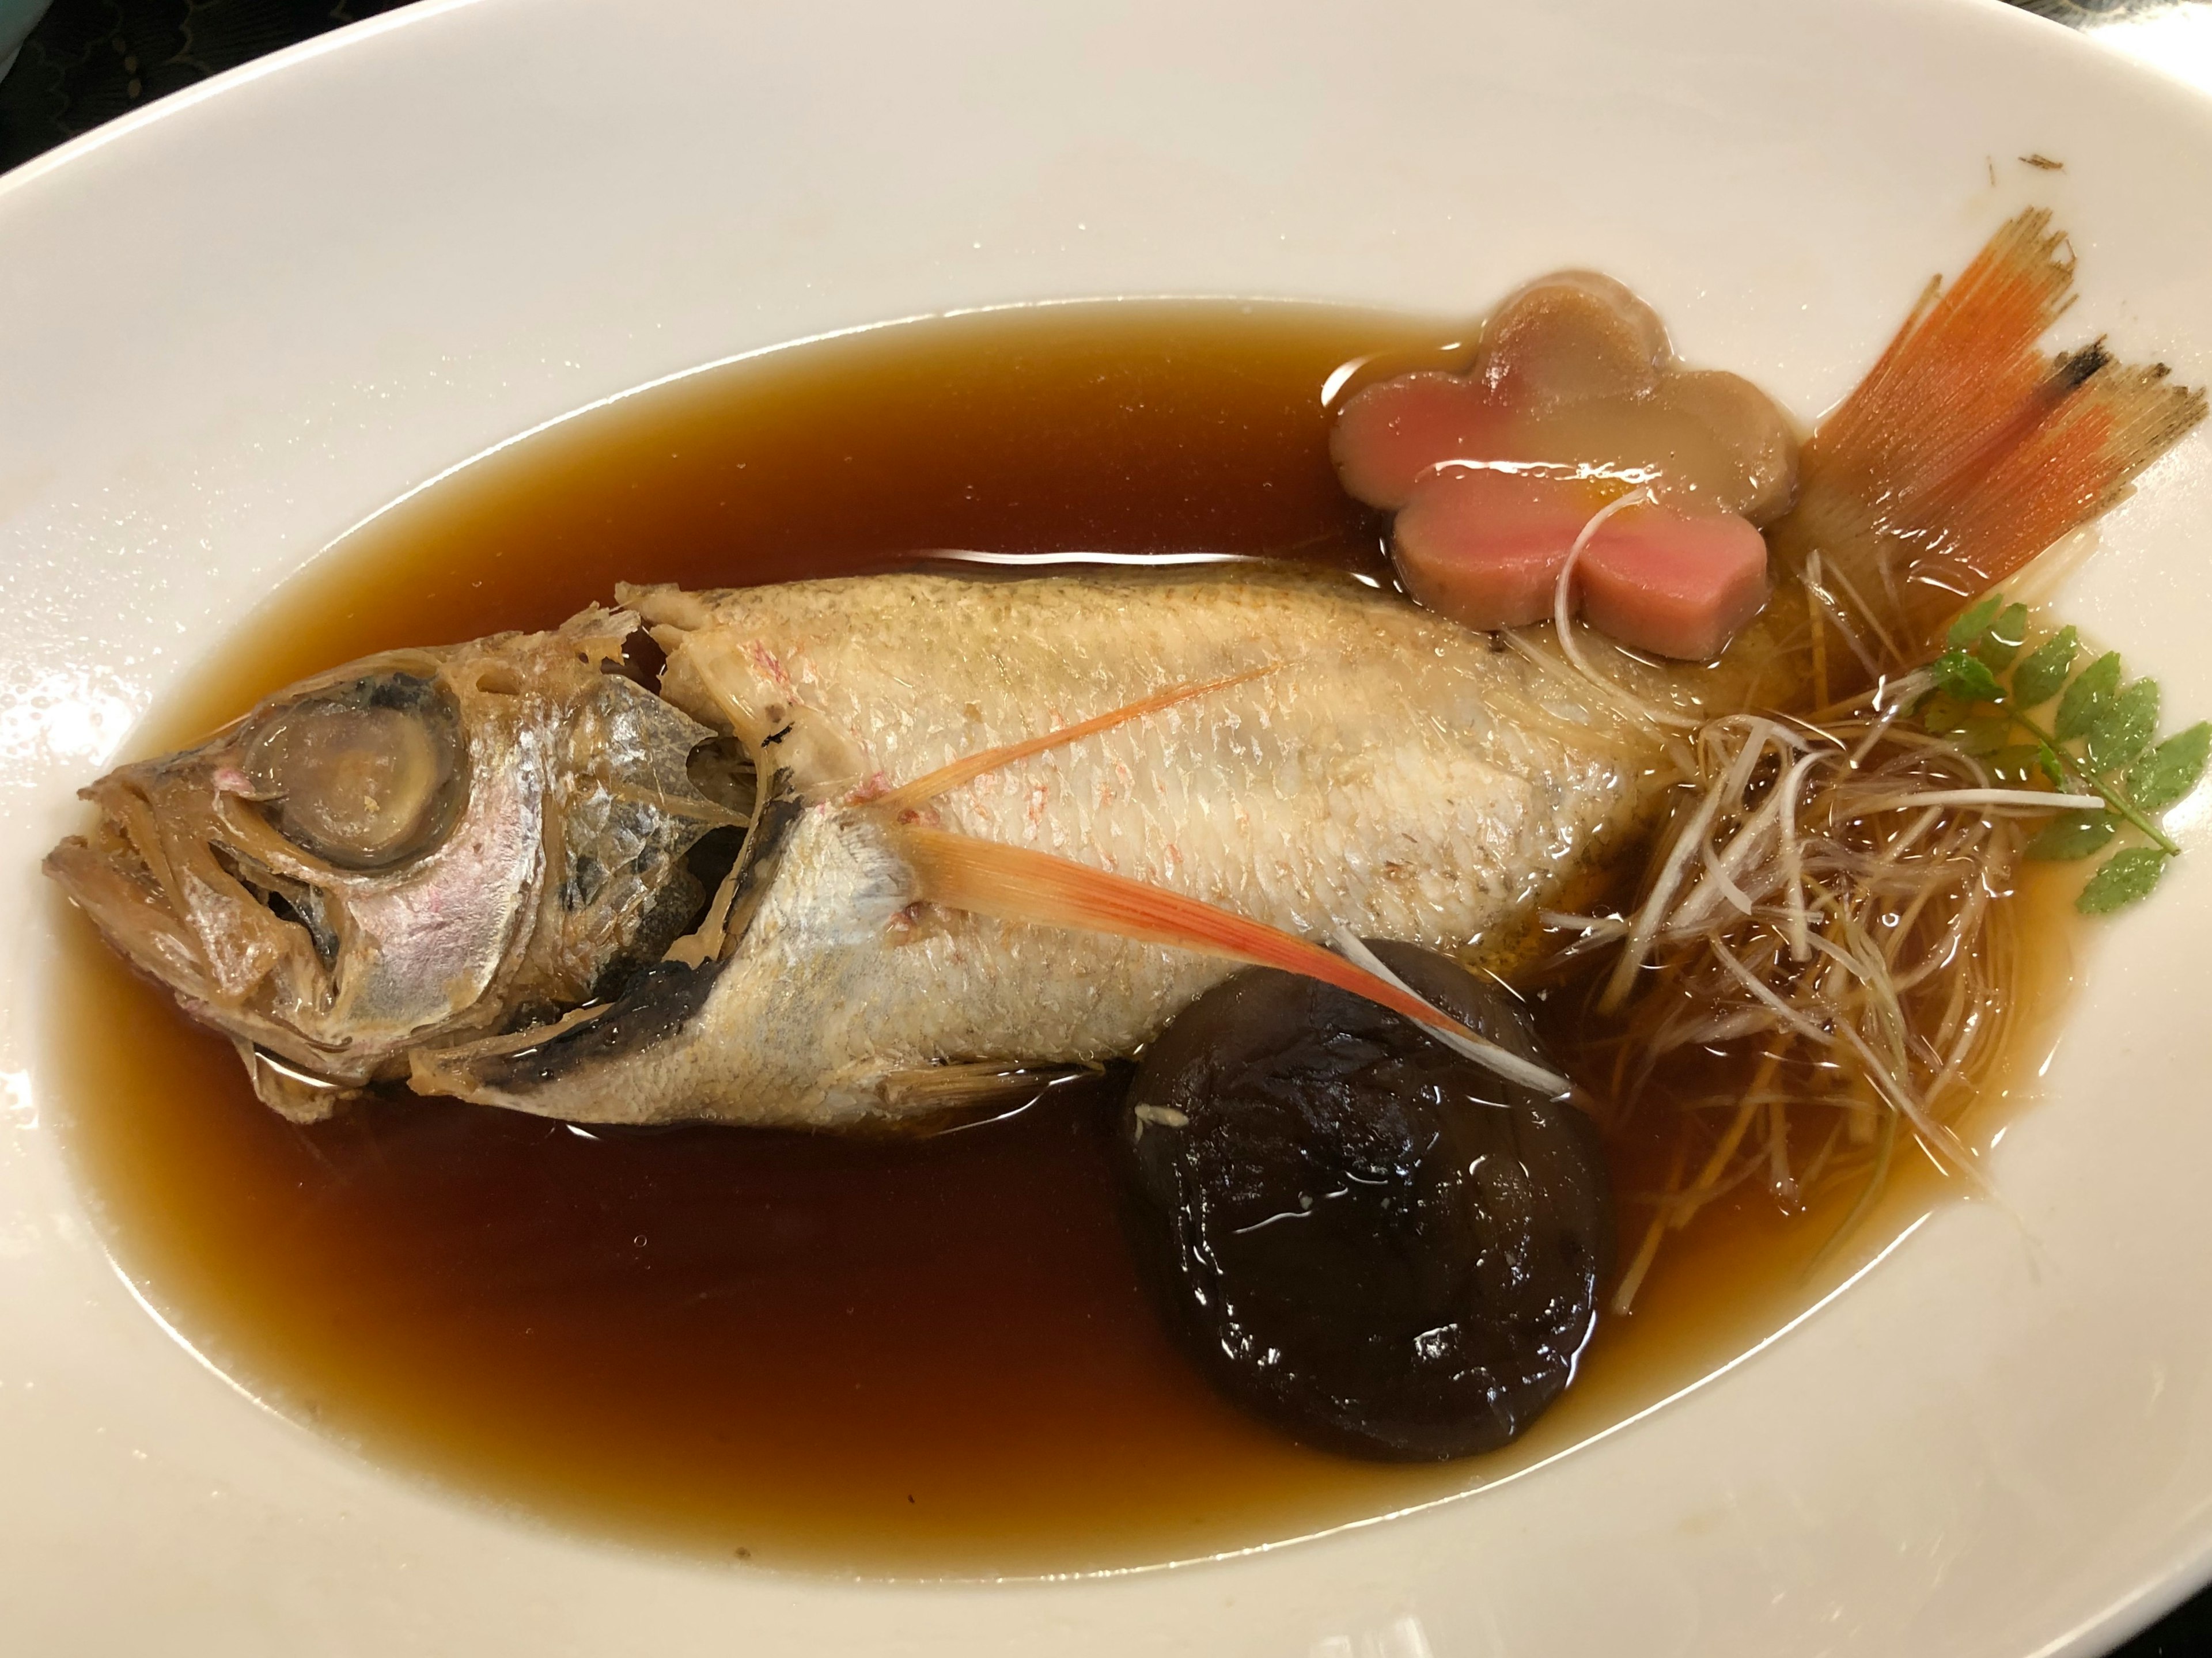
(2169, 771)
(2073, 835)
(2037, 680)
(2083, 705)
(2124, 728)
(2126, 877)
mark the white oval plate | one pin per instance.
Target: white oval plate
(233, 326)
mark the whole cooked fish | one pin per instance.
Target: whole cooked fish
(986, 828)
(1329, 756)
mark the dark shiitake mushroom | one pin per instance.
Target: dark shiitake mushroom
(1376, 1244)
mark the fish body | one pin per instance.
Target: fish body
(1329, 758)
(1369, 768)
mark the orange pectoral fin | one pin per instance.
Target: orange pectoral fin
(1012, 884)
(927, 787)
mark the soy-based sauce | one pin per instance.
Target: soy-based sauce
(905, 1355)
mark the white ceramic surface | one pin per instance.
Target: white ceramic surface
(235, 323)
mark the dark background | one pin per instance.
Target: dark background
(90, 61)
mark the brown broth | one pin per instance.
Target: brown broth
(900, 1357)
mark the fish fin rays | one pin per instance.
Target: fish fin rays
(1968, 450)
(1013, 883)
(940, 1099)
(909, 796)
(455, 1068)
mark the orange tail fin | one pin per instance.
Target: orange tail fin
(1966, 450)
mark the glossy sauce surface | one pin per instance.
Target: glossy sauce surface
(910, 1355)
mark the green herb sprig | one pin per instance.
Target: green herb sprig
(1993, 695)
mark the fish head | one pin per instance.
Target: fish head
(422, 848)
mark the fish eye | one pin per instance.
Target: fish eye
(362, 775)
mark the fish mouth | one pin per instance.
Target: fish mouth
(190, 908)
(119, 878)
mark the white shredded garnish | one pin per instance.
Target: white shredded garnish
(1793, 860)
(1836, 616)
(1821, 935)
(1788, 1015)
(1462, 1040)
(1872, 618)
(2029, 799)
(1607, 926)
(1562, 620)
(1902, 695)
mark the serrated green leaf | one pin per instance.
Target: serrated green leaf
(2001, 642)
(1966, 677)
(1976, 734)
(2169, 771)
(2124, 730)
(2016, 765)
(2073, 835)
(2047, 761)
(2126, 878)
(2086, 699)
(1985, 733)
(1970, 626)
(1941, 714)
(2037, 680)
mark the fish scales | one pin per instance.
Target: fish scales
(1364, 778)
